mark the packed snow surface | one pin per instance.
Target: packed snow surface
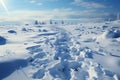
(85, 51)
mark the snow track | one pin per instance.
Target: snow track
(62, 60)
(59, 52)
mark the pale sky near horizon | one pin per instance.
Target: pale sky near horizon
(15, 10)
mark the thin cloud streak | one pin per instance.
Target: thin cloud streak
(86, 4)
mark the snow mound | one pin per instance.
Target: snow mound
(113, 33)
(104, 27)
(2, 40)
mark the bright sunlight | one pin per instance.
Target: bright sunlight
(4, 6)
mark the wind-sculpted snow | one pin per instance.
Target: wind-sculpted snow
(113, 33)
(47, 34)
(64, 52)
(66, 62)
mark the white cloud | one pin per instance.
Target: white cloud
(32, 1)
(88, 4)
(68, 13)
(31, 14)
(36, 2)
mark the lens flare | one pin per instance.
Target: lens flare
(4, 6)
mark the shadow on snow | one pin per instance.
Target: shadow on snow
(6, 68)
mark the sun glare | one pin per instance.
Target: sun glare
(4, 6)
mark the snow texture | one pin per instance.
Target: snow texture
(85, 51)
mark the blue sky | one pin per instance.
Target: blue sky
(58, 9)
